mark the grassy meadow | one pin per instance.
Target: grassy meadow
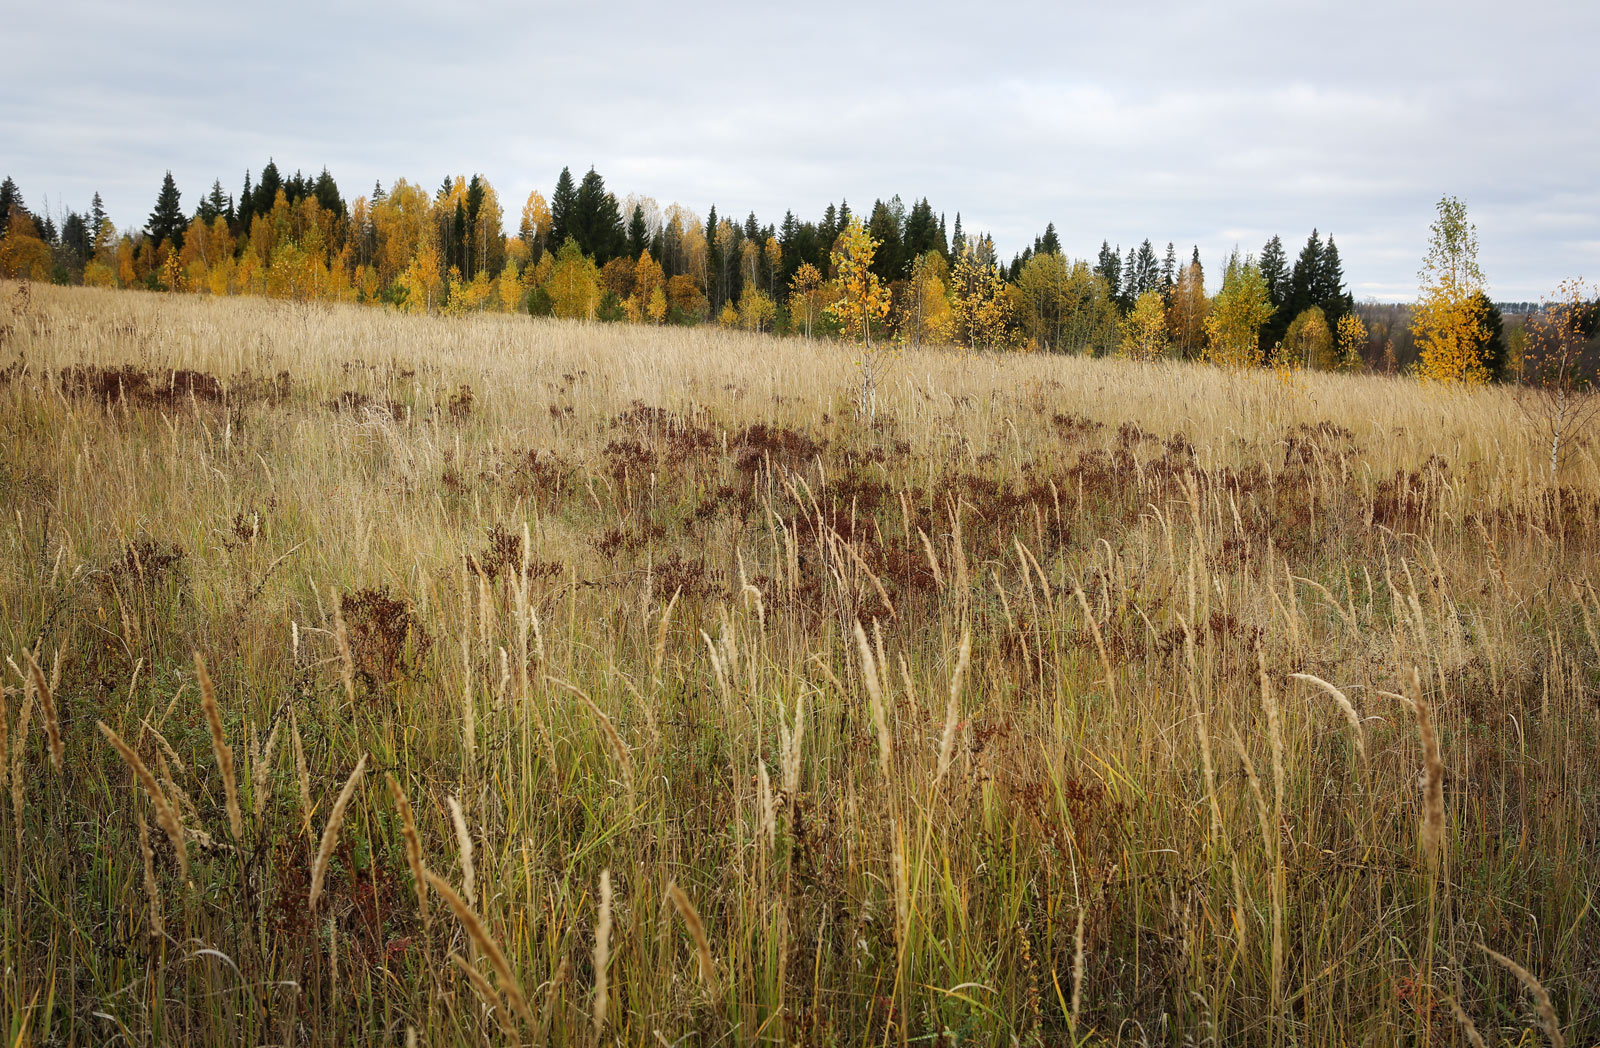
(503, 681)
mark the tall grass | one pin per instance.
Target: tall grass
(1003, 719)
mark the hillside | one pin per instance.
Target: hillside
(1070, 701)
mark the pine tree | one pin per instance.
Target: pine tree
(958, 242)
(166, 221)
(563, 210)
(1169, 269)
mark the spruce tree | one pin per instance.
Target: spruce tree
(1275, 272)
(247, 204)
(958, 242)
(563, 209)
(1328, 286)
(10, 197)
(637, 233)
(326, 190)
(1109, 268)
(884, 229)
(166, 221)
(267, 188)
(1492, 347)
(97, 220)
(1169, 269)
(1050, 243)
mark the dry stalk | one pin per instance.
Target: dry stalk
(509, 987)
(952, 713)
(1541, 997)
(261, 773)
(408, 831)
(330, 833)
(1432, 776)
(602, 953)
(869, 672)
(1468, 1027)
(151, 896)
(220, 747)
(486, 993)
(619, 749)
(166, 818)
(1345, 705)
(697, 932)
(1099, 642)
(301, 774)
(469, 872)
(47, 703)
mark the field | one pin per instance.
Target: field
(1068, 701)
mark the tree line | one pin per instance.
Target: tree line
(583, 253)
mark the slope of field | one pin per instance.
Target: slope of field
(1185, 707)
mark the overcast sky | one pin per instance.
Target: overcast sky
(1210, 123)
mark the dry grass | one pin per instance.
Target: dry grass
(956, 728)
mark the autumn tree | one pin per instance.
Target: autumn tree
(862, 301)
(925, 306)
(1352, 338)
(1447, 321)
(574, 284)
(805, 300)
(1144, 331)
(1558, 400)
(1237, 313)
(1308, 342)
(1187, 308)
(757, 311)
(980, 310)
(1042, 289)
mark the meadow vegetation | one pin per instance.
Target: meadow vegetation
(379, 678)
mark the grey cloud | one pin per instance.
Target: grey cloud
(1203, 124)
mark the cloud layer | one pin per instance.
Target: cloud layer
(1202, 124)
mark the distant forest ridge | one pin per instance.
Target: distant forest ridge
(584, 253)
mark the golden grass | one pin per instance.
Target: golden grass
(960, 724)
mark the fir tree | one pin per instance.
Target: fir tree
(97, 220)
(10, 198)
(563, 209)
(166, 221)
(637, 232)
(1109, 268)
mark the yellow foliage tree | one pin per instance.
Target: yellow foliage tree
(862, 300)
(980, 309)
(1447, 321)
(1352, 337)
(1144, 332)
(648, 283)
(1233, 326)
(1186, 312)
(805, 300)
(925, 307)
(1309, 342)
(757, 311)
(574, 284)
